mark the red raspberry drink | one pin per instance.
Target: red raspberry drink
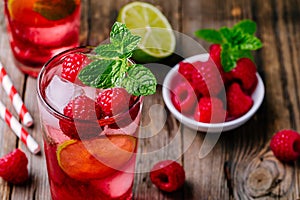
(39, 29)
(90, 137)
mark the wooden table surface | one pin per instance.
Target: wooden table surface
(241, 165)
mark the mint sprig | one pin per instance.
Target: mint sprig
(110, 66)
(236, 42)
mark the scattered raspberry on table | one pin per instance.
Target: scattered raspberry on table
(167, 175)
(285, 145)
(13, 167)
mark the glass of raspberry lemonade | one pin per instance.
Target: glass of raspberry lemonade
(39, 29)
(90, 127)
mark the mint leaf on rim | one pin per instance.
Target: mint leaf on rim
(110, 66)
(139, 81)
(98, 74)
(236, 42)
(121, 46)
(108, 51)
(121, 37)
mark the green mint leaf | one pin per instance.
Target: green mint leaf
(227, 35)
(229, 57)
(119, 71)
(228, 60)
(250, 42)
(240, 40)
(107, 51)
(246, 26)
(122, 39)
(210, 35)
(54, 10)
(139, 81)
(98, 74)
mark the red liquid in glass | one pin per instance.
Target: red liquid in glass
(116, 184)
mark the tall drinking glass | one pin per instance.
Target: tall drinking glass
(39, 29)
(88, 156)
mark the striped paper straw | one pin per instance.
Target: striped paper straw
(15, 98)
(17, 128)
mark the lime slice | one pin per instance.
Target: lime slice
(95, 158)
(145, 20)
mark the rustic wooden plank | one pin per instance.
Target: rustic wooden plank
(100, 17)
(205, 177)
(164, 134)
(103, 15)
(163, 142)
(245, 150)
(84, 22)
(281, 104)
(8, 140)
(38, 186)
(5, 145)
(249, 140)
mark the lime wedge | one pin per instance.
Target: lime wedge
(145, 20)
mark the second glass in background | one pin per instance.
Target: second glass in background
(39, 29)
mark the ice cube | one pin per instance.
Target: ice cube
(51, 36)
(91, 92)
(59, 93)
(120, 183)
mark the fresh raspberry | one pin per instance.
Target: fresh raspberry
(210, 110)
(245, 72)
(114, 101)
(126, 118)
(215, 54)
(285, 145)
(187, 70)
(183, 97)
(84, 113)
(13, 167)
(71, 66)
(167, 175)
(238, 103)
(207, 81)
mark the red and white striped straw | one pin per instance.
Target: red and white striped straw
(15, 98)
(17, 128)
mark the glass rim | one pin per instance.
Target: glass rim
(54, 111)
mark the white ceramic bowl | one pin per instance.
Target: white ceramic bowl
(257, 97)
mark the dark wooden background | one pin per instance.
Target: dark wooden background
(252, 172)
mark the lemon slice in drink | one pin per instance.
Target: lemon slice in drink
(95, 158)
(145, 20)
